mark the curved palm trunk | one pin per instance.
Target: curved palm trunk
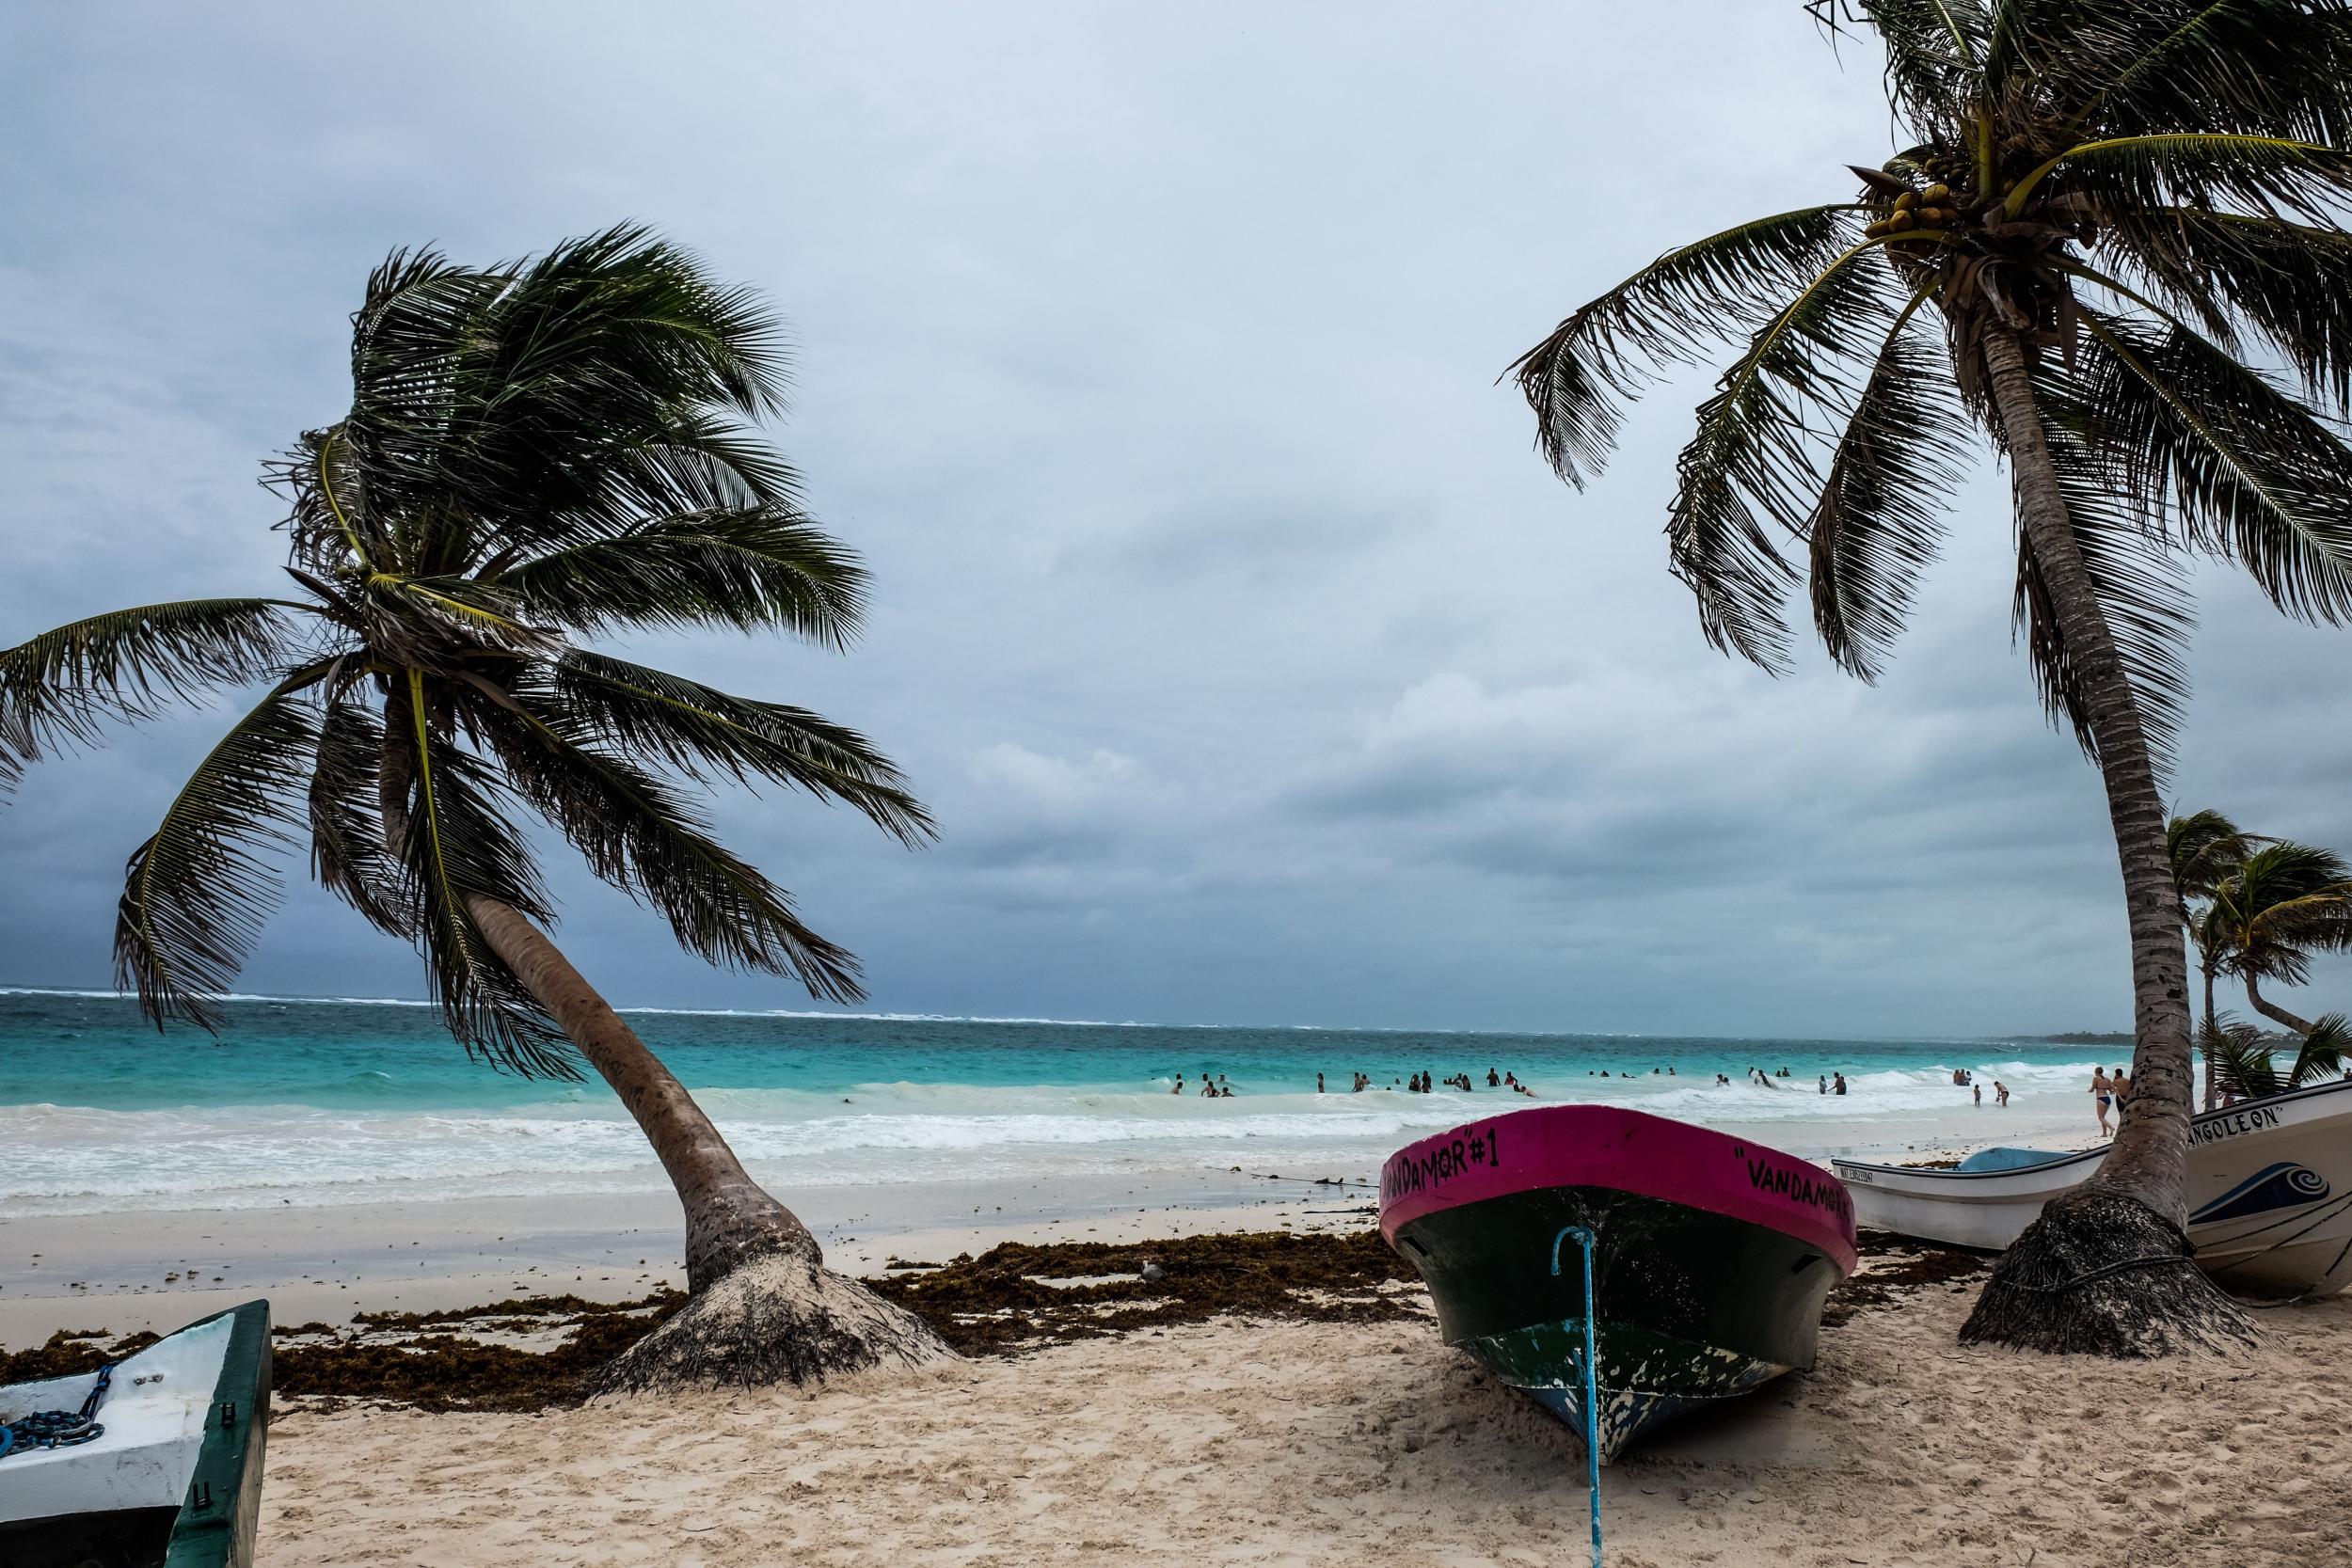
(730, 1219)
(2106, 1268)
(764, 1308)
(2271, 1010)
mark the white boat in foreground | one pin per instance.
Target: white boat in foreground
(2269, 1192)
(175, 1476)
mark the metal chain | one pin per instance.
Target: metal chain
(59, 1429)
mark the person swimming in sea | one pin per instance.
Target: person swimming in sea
(1837, 1083)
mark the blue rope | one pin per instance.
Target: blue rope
(1587, 1239)
(59, 1429)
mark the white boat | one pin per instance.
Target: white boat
(174, 1475)
(2269, 1192)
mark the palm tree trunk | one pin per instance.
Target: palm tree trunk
(730, 1219)
(764, 1307)
(2272, 1011)
(2212, 1031)
(2107, 1267)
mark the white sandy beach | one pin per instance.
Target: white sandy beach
(156, 1270)
(1298, 1445)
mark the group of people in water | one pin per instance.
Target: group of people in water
(1211, 1089)
(1962, 1078)
(1419, 1083)
(1215, 1088)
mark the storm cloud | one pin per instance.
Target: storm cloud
(1254, 667)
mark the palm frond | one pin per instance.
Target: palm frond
(198, 892)
(1757, 456)
(61, 687)
(651, 716)
(1670, 312)
(348, 851)
(2274, 68)
(1881, 515)
(2241, 1060)
(2205, 850)
(643, 836)
(459, 846)
(2284, 902)
(2252, 474)
(2291, 284)
(539, 405)
(2246, 1065)
(1935, 51)
(2141, 584)
(754, 569)
(2266, 175)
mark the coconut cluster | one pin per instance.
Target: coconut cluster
(1937, 207)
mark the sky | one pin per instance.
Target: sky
(1254, 666)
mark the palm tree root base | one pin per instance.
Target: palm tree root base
(776, 1318)
(2101, 1274)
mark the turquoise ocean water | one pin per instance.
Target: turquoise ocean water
(326, 1101)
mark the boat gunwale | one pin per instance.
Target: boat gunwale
(1833, 1236)
(1934, 1176)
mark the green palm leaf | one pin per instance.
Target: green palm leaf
(754, 569)
(458, 844)
(348, 851)
(2141, 584)
(196, 894)
(1666, 314)
(652, 715)
(1756, 459)
(2199, 169)
(1880, 517)
(2251, 473)
(61, 687)
(644, 836)
(2263, 67)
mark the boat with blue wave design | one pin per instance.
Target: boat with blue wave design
(2269, 1192)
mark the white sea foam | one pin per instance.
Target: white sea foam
(73, 1158)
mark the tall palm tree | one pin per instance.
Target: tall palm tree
(2100, 209)
(2250, 1071)
(535, 453)
(2204, 850)
(2286, 902)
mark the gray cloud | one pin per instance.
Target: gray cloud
(1254, 667)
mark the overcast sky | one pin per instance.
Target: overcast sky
(1255, 668)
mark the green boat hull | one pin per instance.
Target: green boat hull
(1691, 1308)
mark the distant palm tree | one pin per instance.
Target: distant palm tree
(2107, 208)
(535, 453)
(2205, 848)
(2248, 1069)
(2284, 903)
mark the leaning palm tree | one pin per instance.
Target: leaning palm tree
(2284, 903)
(2250, 1072)
(535, 453)
(2099, 211)
(2204, 849)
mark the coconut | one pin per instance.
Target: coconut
(1900, 221)
(1934, 217)
(1906, 202)
(1934, 195)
